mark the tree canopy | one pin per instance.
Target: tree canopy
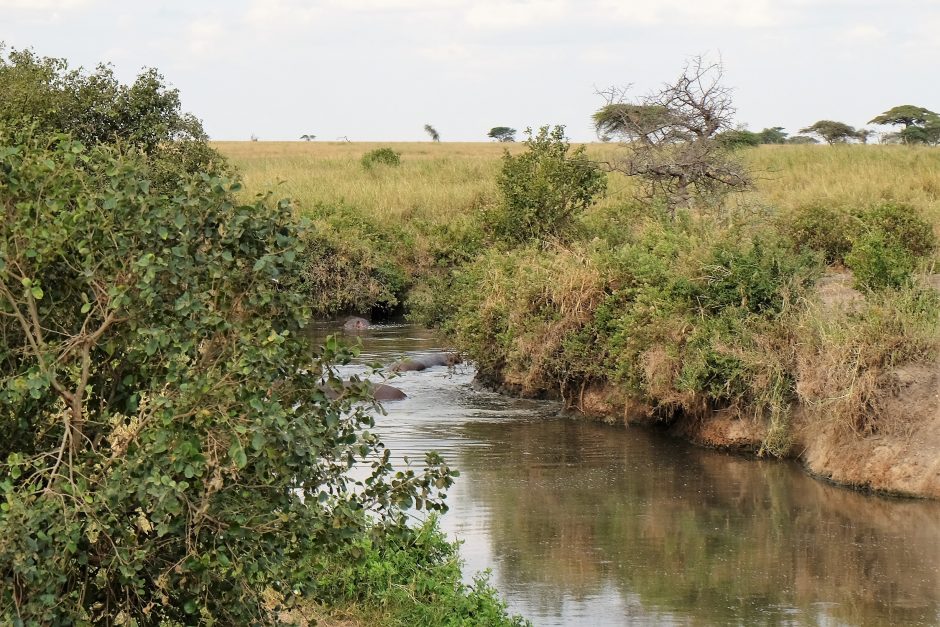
(502, 133)
(831, 131)
(921, 126)
(432, 133)
(671, 137)
(906, 115)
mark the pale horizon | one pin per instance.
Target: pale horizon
(379, 70)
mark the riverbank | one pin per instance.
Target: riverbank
(584, 523)
(795, 320)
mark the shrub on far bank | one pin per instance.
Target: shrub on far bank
(677, 319)
(882, 245)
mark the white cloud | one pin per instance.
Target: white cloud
(45, 5)
(516, 14)
(396, 5)
(205, 38)
(742, 13)
(280, 14)
(861, 34)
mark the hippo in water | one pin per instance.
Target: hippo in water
(355, 323)
(380, 391)
(423, 362)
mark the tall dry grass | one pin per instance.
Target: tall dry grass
(434, 183)
(437, 182)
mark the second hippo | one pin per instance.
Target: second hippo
(423, 362)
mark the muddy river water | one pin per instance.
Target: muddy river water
(590, 524)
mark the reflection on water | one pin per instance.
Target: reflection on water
(587, 524)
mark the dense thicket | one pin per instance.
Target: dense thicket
(167, 452)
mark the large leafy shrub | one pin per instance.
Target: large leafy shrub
(543, 189)
(891, 240)
(168, 452)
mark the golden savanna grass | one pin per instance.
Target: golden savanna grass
(437, 182)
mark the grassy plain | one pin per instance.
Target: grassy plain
(437, 182)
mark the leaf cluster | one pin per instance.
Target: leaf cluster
(168, 452)
(46, 95)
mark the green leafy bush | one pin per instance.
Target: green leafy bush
(760, 276)
(381, 156)
(167, 458)
(886, 252)
(543, 189)
(879, 261)
(901, 224)
(412, 580)
(43, 94)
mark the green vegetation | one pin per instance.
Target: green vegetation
(712, 305)
(741, 138)
(432, 133)
(381, 156)
(672, 144)
(543, 189)
(167, 452)
(502, 134)
(832, 132)
(921, 126)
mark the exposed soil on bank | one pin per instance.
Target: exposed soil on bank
(898, 454)
(902, 459)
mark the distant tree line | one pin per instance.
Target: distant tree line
(916, 125)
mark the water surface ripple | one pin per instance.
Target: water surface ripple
(588, 524)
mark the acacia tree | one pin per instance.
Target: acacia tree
(308, 137)
(921, 126)
(432, 132)
(671, 137)
(906, 115)
(502, 134)
(773, 135)
(832, 132)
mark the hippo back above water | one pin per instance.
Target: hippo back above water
(423, 362)
(379, 391)
(355, 323)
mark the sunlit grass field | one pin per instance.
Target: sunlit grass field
(437, 182)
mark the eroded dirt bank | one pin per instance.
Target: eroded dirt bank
(893, 447)
(901, 459)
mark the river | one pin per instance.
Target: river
(590, 524)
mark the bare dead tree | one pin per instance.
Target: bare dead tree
(670, 138)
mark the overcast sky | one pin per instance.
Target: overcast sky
(381, 69)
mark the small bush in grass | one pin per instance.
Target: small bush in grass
(878, 262)
(381, 156)
(900, 223)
